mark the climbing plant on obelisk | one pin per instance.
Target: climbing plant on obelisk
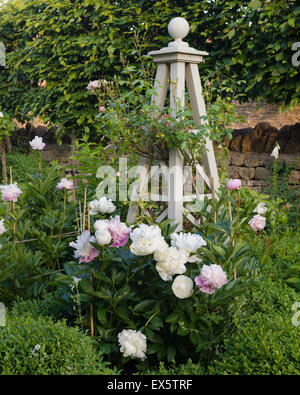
(178, 63)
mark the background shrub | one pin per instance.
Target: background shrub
(23, 165)
(265, 341)
(63, 350)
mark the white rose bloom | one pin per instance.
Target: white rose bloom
(275, 151)
(102, 206)
(260, 208)
(172, 263)
(2, 227)
(37, 143)
(189, 243)
(1, 114)
(182, 287)
(146, 239)
(133, 343)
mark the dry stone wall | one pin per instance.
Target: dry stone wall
(250, 148)
(252, 142)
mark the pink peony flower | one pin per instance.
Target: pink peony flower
(101, 109)
(234, 184)
(203, 287)
(119, 232)
(83, 249)
(10, 192)
(37, 143)
(65, 184)
(211, 277)
(257, 223)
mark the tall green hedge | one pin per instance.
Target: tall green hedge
(70, 42)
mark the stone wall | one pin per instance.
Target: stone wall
(255, 113)
(253, 141)
(249, 149)
(253, 169)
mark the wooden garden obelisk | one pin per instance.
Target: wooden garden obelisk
(177, 66)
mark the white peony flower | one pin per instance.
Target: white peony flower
(2, 227)
(103, 238)
(102, 234)
(101, 206)
(162, 252)
(146, 239)
(173, 262)
(275, 151)
(37, 143)
(182, 287)
(133, 343)
(260, 208)
(189, 243)
(1, 114)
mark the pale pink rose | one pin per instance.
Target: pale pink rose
(257, 223)
(101, 109)
(65, 184)
(93, 85)
(234, 184)
(37, 143)
(119, 232)
(10, 192)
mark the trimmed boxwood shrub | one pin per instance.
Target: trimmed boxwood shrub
(52, 305)
(32, 345)
(266, 345)
(265, 341)
(188, 368)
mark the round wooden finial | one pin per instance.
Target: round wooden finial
(178, 28)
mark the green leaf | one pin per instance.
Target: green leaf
(122, 312)
(101, 314)
(144, 306)
(86, 286)
(255, 4)
(171, 352)
(104, 293)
